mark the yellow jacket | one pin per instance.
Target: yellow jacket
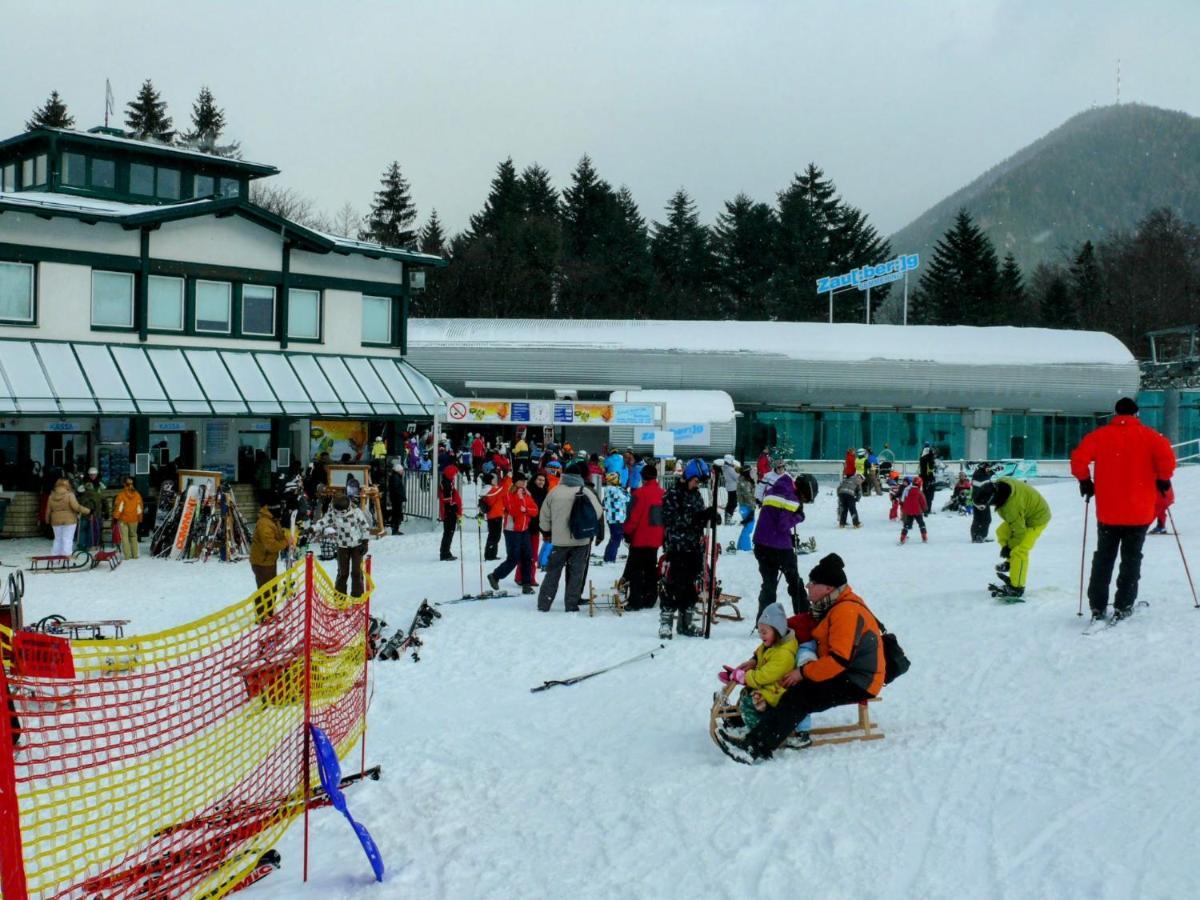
(771, 664)
(269, 539)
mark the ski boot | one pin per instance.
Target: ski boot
(494, 581)
(924, 537)
(686, 626)
(903, 537)
(1002, 566)
(732, 548)
(728, 519)
(666, 623)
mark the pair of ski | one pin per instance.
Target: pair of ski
(399, 644)
(474, 598)
(1096, 626)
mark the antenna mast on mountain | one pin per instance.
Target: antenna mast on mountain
(1118, 82)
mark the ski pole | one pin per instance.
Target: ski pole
(1087, 505)
(1191, 584)
(479, 547)
(462, 567)
(546, 685)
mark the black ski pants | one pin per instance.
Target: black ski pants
(772, 562)
(1126, 540)
(349, 562)
(396, 511)
(847, 506)
(575, 560)
(495, 528)
(641, 571)
(928, 488)
(449, 526)
(908, 523)
(518, 547)
(803, 699)
(731, 503)
(683, 575)
(981, 523)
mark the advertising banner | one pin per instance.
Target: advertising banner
(546, 412)
(337, 438)
(690, 434)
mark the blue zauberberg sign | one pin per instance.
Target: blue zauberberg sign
(870, 276)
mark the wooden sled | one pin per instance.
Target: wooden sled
(613, 598)
(79, 561)
(726, 608)
(724, 709)
(112, 557)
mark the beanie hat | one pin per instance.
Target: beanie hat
(649, 473)
(774, 616)
(830, 571)
(802, 625)
(579, 468)
(612, 478)
(520, 475)
(1126, 407)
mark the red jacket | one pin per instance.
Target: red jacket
(493, 500)
(849, 467)
(913, 502)
(1126, 457)
(449, 501)
(478, 448)
(519, 507)
(500, 461)
(644, 527)
(763, 465)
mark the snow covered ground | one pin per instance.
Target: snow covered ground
(1022, 759)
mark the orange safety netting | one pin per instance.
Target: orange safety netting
(169, 763)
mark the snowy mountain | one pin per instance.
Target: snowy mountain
(1022, 759)
(1101, 170)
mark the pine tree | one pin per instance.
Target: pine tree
(1012, 298)
(392, 216)
(801, 255)
(743, 247)
(632, 273)
(433, 237)
(961, 284)
(146, 116)
(208, 119)
(538, 245)
(591, 222)
(1085, 286)
(503, 202)
(682, 258)
(51, 114)
(1057, 304)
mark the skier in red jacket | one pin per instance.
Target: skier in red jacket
(913, 505)
(644, 534)
(1130, 466)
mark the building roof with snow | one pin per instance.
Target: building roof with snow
(791, 364)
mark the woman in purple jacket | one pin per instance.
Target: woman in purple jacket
(781, 512)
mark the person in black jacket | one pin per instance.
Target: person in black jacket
(981, 521)
(397, 496)
(927, 469)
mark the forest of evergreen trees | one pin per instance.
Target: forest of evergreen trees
(587, 251)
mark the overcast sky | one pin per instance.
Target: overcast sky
(900, 103)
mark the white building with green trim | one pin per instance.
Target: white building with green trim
(146, 302)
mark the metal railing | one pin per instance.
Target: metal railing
(1192, 454)
(420, 492)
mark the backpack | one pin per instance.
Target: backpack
(583, 521)
(806, 488)
(895, 661)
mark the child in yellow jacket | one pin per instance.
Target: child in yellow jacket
(762, 674)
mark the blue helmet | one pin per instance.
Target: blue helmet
(695, 468)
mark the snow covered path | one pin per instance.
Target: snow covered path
(1021, 759)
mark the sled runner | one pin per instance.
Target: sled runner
(76, 562)
(612, 598)
(725, 712)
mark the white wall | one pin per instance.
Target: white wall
(231, 241)
(343, 322)
(335, 265)
(67, 234)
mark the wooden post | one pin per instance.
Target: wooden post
(12, 857)
(309, 597)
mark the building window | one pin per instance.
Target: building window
(112, 299)
(165, 303)
(104, 174)
(376, 320)
(39, 169)
(141, 179)
(258, 310)
(74, 169)
(229, 187)
(16, 292)
(203, 186)
(304, 315)
(167, 186)
(10, 177)
(212, 306)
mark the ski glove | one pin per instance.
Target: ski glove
(1087, 488)
(728, 674)
(1163, 485)
(1005, 551)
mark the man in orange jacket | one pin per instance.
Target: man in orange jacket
(849, 667)
(1130, 465)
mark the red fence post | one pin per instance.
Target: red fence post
(12, 850)
(309, 599)
(362, 766)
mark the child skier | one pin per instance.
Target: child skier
(1162, 502)
(616, 510)
(913, 505)
(746, 506)
(896, 488)
(849, 492)
(761, 674)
